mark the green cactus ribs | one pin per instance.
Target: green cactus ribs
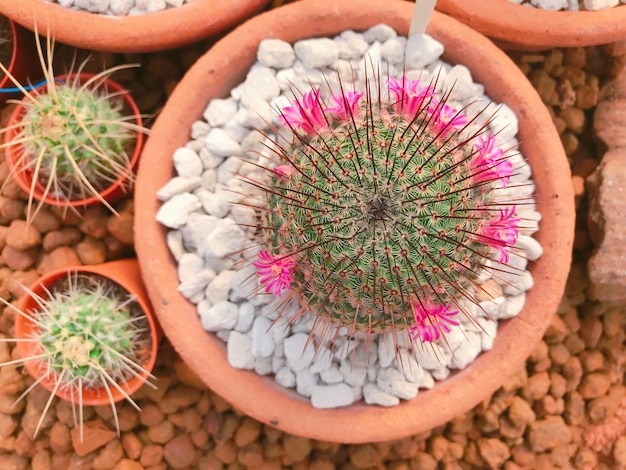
(384, 221)
(75, 138)
(91, 332)
(380, 212)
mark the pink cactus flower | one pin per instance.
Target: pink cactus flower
(306, 114)
(489, 164)
(284, 172)
(346, 105)
(431, 320)
(408, 98)
(446, 118)
(501, 233)
(276, 272)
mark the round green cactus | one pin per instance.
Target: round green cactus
(380, 214)
(90, 337)
(75, 139)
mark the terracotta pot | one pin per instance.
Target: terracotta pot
(23, 176)
(213, 76)
(142, 33)
(127, 275)
(23, 65)
(515, 26)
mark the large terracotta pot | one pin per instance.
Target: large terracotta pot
(516, 26)
(142, 33)
(126, 274)
(213, 76)
(23, 174)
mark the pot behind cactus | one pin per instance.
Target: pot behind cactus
(156, 31)
(516, 26)
(88, 335)
(74, 141)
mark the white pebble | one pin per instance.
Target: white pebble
(530, 247)
(246, 317)
(260, 84)
(515, 305)
(379, 32)
(331, 375)
(239, 351)
(187, 163)
(175, 212)
(422, 50)
(121, 7)
(197, 229)
(177, 185)
(467, 351)
(392, 381)
(392, 51)
(220, 111)
(331, 396)
(219, 287)
(354, 375)
(286, 377)
(553, 5)
(305, 381)
(262, 343)
(221, 316)
(275, 53)
(519, 284)
(316, 53)
(297, 356)
(227, 239)
(600, 4)
(219, 142)
(351, 45)
(375, 396)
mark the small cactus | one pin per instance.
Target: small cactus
(87, 334)
(380, 214)
(89, 337)
(72, 138)
(75, 138)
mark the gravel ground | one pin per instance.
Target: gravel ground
(565, 409)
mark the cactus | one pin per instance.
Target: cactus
(379, 214)
(89, 337)
(88, 334)
(75, 139)
(72, 140)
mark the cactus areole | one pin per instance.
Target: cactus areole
(380, 213)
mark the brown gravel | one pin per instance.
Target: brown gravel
(565, 409)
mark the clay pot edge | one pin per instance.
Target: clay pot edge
(142, 33)
(519, 26)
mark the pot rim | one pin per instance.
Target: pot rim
(111, 193)
(261, 397)
(149, 32)
(535, 28)
(125, 273)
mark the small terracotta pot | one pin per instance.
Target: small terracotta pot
(126, 274)
(23, 65)
(213, 76)
(142, 33)
(23, 176)
(518, 27)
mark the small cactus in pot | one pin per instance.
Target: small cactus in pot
(381, 212)
(86, 338)
(73, 140)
